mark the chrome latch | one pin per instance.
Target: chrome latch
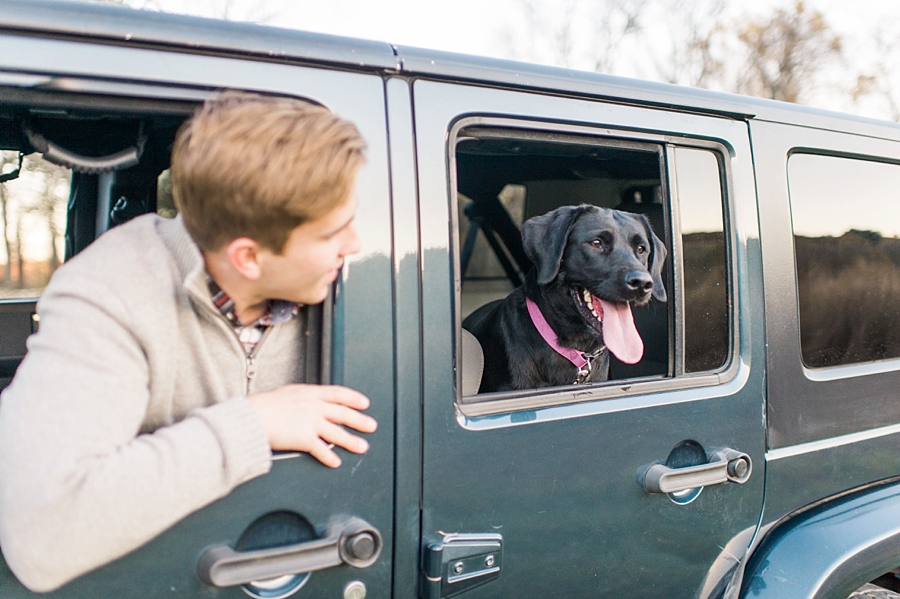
(459, 562)
(725, 465)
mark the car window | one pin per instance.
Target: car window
(117, 150)
(504, 177)
(706, 324)
(32, 222)
(847, 250)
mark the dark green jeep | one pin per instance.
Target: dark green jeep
(754, 451)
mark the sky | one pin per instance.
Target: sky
(468, 26)
(831, 195)
(499, 28)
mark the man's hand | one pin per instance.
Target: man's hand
(310, 417)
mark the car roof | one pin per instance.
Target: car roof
(117, 24)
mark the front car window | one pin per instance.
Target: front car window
(505, 177)
(118, 150)
(706, 307)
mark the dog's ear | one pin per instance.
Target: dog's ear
(655, 261)
(544, 239)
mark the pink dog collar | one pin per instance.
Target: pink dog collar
(574, 356)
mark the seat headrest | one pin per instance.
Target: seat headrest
(472, 363)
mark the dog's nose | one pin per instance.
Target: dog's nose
(639, 281)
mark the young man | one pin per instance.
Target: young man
(167, 364)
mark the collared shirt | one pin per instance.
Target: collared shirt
(277, 312)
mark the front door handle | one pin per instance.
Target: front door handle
(725, 465)
(349, 541)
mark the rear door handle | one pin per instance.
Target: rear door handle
(725, 465)
(349, 541)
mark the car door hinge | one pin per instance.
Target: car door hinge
(459, 562)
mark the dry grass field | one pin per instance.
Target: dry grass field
(706, 301)
(849, 294)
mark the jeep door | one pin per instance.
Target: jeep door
(829, 220)
(72, 81)
(558, 491)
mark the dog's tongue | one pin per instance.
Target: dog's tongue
(619, 333)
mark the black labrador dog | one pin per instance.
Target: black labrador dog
(590, 265)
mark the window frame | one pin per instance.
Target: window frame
(57, 92)
(508, 401)
(98, 94)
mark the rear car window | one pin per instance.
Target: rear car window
(846, 226)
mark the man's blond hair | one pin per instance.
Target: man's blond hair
(247, 165)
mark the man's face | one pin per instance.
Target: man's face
(309, 262)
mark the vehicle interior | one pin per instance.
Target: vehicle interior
(115, 148)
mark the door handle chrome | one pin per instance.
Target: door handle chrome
(725, 465)
(349, 541)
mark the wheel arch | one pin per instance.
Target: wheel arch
(828, 551)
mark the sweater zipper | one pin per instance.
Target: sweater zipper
(251, 371)
(251, 362)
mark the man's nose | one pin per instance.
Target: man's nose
(352, 245)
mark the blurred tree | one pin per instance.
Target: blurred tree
(32, 212)
(615, 20)
(693, 56)
(878, 81)
(785, 51)
(8, 163)
(49, 204)
(255, 11)
(574, 33)
(148, 4)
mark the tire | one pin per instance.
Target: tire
(870, 591)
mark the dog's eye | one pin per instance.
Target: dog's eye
(641, 249)
(596, 243)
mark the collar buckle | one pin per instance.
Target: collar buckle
(585, 371)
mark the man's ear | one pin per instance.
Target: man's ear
(243, 254)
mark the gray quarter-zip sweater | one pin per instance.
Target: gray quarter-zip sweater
(129, 411)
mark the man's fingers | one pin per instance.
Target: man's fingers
(333, 433)
(323, 452)
(350, 417)
(308, 417)
(344, 396)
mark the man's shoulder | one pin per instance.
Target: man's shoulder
(138, 257)
(148, 234)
